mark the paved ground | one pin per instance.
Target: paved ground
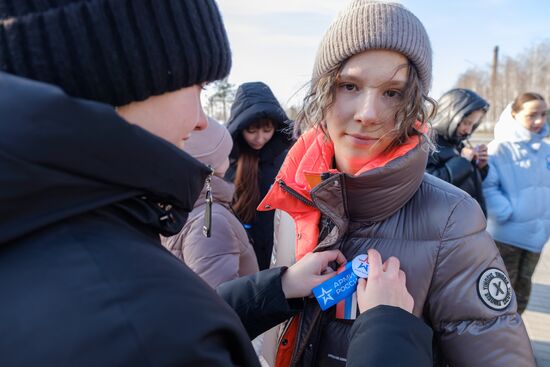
(537, 315)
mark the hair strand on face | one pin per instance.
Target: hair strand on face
(415, 108)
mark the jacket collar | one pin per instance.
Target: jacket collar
(64, 156)
(379, 190)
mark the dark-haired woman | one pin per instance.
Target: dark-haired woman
(260, 130)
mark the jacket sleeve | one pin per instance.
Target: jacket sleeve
(449, 166)
(206, 333)
(498, 205)
(214, 259)
(472, 327)
(394, 337)
(259, 300)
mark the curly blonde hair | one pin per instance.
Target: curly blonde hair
(415, 106)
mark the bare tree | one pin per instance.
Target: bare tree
(526, 72)
(219, 102)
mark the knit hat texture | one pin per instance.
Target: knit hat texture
(114, 51)
(210, 146)
(368, 25)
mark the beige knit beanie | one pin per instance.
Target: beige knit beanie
(367, 25)
(210, 146)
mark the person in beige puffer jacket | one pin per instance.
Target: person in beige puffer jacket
(227, 254)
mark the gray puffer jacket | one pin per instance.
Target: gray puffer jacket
(454, 271)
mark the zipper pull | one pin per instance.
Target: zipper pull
(207, 227)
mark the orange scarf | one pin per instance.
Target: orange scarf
(311, 156)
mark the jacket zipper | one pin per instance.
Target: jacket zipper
(295, 194)
(317, 319)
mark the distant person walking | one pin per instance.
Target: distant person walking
(517, 189)
(456, 161)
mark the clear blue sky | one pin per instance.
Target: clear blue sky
(275, 40)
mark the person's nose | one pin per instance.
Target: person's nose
(468, 129)
(202, 123)
(367, 109)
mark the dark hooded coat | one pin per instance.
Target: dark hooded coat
(254, 101)
(84, 280)
(447, 163)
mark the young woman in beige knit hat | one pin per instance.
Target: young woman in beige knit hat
(355, 181)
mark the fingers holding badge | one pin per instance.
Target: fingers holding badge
(310, 271)
(360, 266)
(386, 285)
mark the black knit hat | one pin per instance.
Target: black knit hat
(114, 51)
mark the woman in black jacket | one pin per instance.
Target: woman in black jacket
(95, 97)
(261, 135)
(86, 189)
(456, 161)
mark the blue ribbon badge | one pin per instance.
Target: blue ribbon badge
(343, 284)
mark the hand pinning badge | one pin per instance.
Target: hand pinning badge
(342, 284)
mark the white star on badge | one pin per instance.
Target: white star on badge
(326, 295)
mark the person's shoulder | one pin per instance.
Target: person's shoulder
(224, 217)
(9, 82)
(280, 157)
(232, 170)
(227, 224)
(448, 204)
(194, 218)
(437, 190)
(443, 153)
(18, 94)
(499, 147)
(444, 143)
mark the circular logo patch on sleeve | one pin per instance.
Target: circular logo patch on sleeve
(494, 289)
